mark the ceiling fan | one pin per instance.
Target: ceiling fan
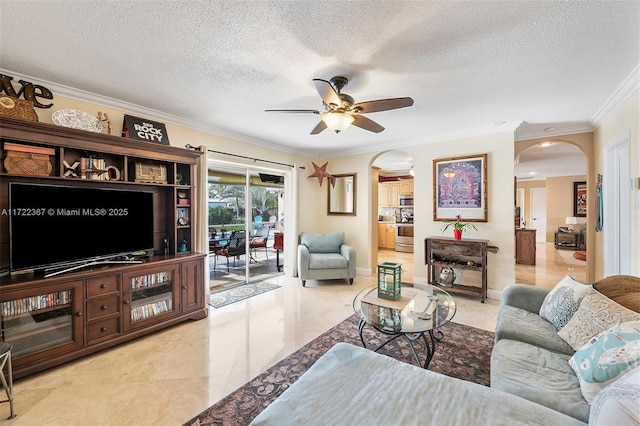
(340, 110)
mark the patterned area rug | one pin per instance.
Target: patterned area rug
(465, 353)
(226, 297)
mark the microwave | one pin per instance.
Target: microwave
(406, 200)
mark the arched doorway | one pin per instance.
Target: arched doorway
(550, 172)
(393, 238)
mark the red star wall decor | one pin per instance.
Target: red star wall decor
(321, 173)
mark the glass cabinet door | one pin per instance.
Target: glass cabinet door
(49, 319)
(150, 294)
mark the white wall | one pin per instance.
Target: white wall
(624, 120)
(360, 229)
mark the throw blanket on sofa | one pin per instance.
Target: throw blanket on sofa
(350, 385)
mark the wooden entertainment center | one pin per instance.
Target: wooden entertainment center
(52, 320)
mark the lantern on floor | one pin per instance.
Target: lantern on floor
(389, 280)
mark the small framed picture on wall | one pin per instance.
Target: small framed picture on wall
(580, 199)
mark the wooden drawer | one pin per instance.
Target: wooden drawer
(103, 306)
(101, 329)
(454, 248)
(103, 285)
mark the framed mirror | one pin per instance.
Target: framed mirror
(342, 195)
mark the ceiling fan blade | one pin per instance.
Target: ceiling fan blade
(327, 92)
(294, 110)
(367, 124)
(383, 105)
(320, 127)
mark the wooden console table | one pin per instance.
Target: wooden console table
(462, 255)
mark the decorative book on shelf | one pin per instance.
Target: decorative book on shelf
(151, 280)
(93, 168)
(35, 303)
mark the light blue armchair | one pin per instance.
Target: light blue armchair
(325, 257)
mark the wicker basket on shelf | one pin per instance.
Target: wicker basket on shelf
(27, 160)
(17, 108)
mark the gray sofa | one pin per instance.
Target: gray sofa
(532, 382)
(529, 359)
(325, 257)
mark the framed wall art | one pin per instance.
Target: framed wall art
(580, 199)
(460, 188)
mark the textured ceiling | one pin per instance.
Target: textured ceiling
(217, 65)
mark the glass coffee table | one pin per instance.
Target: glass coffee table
(419, 313)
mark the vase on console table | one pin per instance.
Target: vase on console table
(457, 234)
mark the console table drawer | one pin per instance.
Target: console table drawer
(103, 306)
(457, 248)
(102, 329)
(103, 285)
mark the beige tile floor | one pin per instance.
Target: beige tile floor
(170, 376)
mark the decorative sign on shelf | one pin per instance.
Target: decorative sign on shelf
(29, 91)
(144, 130)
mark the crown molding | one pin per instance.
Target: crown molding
(551, 135)
(138, 110)
(510, 126)
(622, 93)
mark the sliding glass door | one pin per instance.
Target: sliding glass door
(245, 209)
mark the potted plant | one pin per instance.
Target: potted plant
(458, 227)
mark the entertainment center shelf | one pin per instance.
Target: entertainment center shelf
(52, 320)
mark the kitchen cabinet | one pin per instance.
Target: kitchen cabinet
(389, 192)
(383, 195)
(406, 187)
(387, 235)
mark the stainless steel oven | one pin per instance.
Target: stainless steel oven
(404, 237)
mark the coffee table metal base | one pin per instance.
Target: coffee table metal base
(430, 343)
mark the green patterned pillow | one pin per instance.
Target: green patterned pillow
(606, 357)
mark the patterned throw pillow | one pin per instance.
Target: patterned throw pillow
(596, 314)
(606, 357)
(617, 404)
(563, 301)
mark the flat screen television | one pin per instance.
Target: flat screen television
(52, 226)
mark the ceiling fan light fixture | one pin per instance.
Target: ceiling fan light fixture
(337, 121)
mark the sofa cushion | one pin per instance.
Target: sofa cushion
(563, 301)
(327, 261)
(539, 375)
(606, 357)
(622, 289)
(596, 314)
(322, 243)
(524, 296)
(617, 404)
(524, 326)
